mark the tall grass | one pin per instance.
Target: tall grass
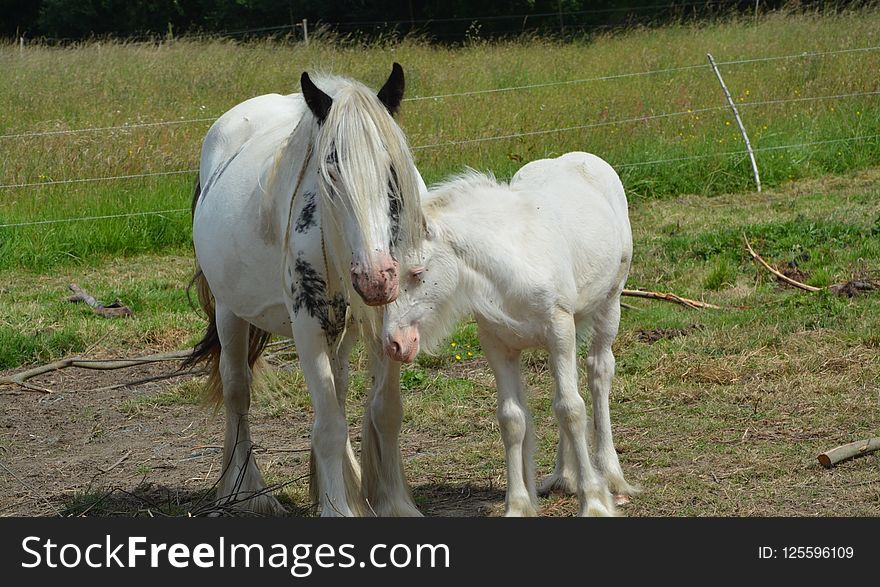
(111, 84)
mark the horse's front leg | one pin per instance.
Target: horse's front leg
(384, 482)
(516, 425)
(333, 483)
(339, 365)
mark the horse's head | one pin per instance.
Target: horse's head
(368, 182)
(429, 303)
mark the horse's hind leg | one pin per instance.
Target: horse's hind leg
(600, 371)
(516, 425)
(384, 482)
(241, 484)
(571, 414)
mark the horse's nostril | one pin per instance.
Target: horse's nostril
(395, 346)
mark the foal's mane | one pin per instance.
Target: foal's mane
(449, 191)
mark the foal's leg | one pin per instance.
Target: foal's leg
(241, 483)
(600, 371)
(337, 490)
(384, 482)
(516, 425)
(571, 413)
(564, 476)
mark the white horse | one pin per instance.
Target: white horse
(540, 262)
(304, 204)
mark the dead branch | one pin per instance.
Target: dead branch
(151, 379)
(114, 310)
(778, 274)
(21, 378)
(670, 297)
(829, 458)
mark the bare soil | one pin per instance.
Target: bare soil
(82, 450)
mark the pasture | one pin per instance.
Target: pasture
(715, 412)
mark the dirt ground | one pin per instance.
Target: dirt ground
(142, 451)
(84, 450)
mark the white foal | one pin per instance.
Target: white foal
(540, 262)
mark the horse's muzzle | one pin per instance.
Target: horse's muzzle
(377, 285)
(402, 345)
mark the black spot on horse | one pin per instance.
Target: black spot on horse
(309, 291)
(334, 324)
(395, 203)
(306, 218)
(308, 288)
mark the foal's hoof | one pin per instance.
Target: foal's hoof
(621, 499)
(557, 483)
(597, 510)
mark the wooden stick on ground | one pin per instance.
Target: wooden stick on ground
(114, 310)
(669, 297)
(21, 378)
(116, 464)
(779, 275)
(829, 458)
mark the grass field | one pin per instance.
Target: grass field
(112, 84)
(715, 412)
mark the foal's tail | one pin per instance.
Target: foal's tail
(207, 350)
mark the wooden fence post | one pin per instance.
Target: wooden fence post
(742, 129)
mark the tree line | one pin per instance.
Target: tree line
(441, 20)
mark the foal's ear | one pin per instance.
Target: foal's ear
(319, 102)
(391, 93)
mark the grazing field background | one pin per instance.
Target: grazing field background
(716, 412)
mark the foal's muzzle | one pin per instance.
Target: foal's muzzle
(402, 344)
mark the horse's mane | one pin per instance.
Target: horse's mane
(357, 131)
(359, 127)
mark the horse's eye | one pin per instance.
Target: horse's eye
(416, 272)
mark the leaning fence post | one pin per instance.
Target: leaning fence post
(306, 31)
(742, 129)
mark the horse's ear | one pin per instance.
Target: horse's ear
(319, 102)
(391, 93)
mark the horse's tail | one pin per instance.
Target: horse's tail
(207, 350)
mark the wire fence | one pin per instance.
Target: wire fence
(474, 140)
(603, 78)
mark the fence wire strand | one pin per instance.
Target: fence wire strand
(492, 138)
(619, 166)
(611, 77)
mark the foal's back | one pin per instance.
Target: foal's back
(580, 202)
